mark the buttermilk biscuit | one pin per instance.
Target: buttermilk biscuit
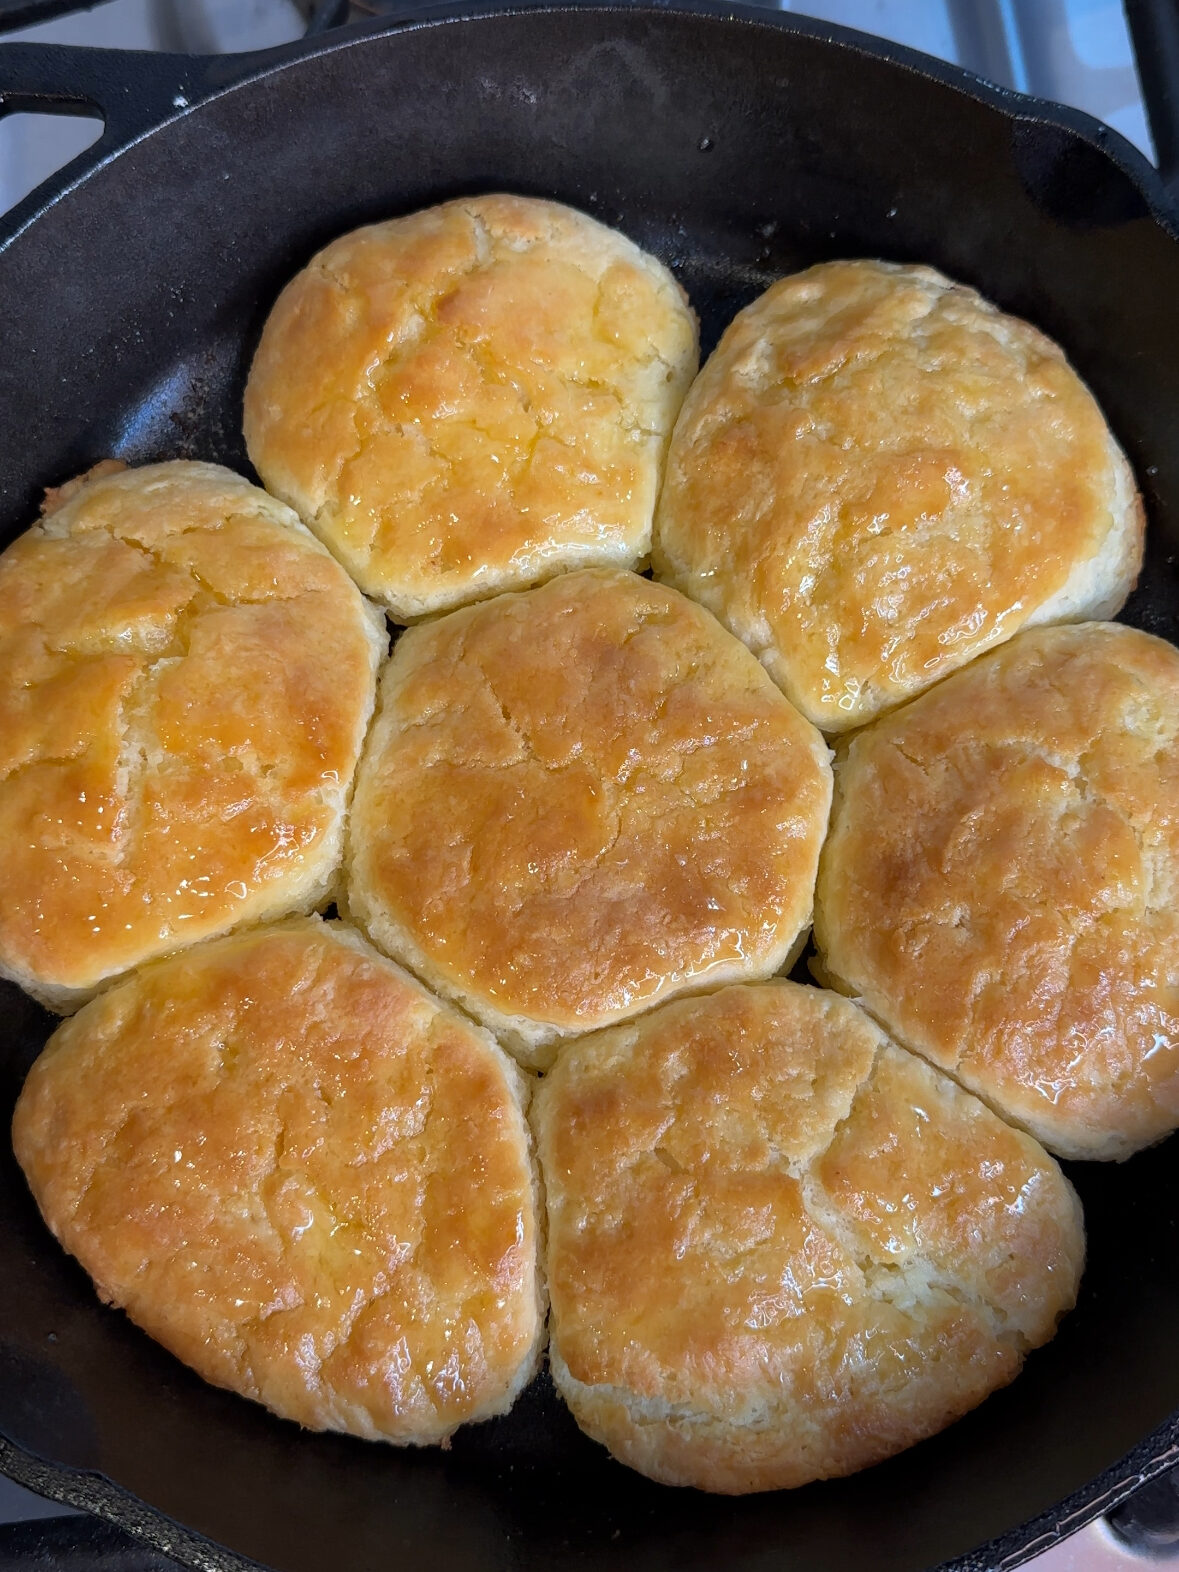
(1000, 883)
(185, 681)
(577, 801)
(303, 1175)
(878, 475)
(780, 1247)
(472, 398)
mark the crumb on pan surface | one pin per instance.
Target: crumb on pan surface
(471, 398)
(999, 885)
(303, 1175)
(577, 800)
(877, 475)
(185, 680)
(782, 1248)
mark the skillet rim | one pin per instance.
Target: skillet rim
(139, 94)
(174, 86)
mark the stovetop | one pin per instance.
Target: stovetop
(1074, 51)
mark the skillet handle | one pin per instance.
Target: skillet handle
(1154, 32)
(131, 91)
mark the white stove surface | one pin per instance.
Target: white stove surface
(1074, 51)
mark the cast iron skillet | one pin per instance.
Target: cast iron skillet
(738, 145)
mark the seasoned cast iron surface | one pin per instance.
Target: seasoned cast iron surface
(737, 150)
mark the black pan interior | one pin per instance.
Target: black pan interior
(736, 148)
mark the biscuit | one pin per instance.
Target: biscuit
(185, 680)
(472, 398)
(303, 1176)
(999, 884)
(878, 475)
(780, 1247)
(579, 800)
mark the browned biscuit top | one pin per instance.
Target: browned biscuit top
(580, 799)
(185, 680)
(781, 1248)
(878, 475)
(467, 399)
(1000, 883)
(302, 1175)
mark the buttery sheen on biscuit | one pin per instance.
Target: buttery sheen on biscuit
(999, 887)
(780, 1247)
(579, 800)
(878, 475)
(303, 1176)
(472, 398)
(185, 680)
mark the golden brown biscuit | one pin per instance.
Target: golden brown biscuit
(999, 884)
(472, 398)
(879, 475)
(185, 681)
(780, 1247)
(303, 1175)
(579, 800)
